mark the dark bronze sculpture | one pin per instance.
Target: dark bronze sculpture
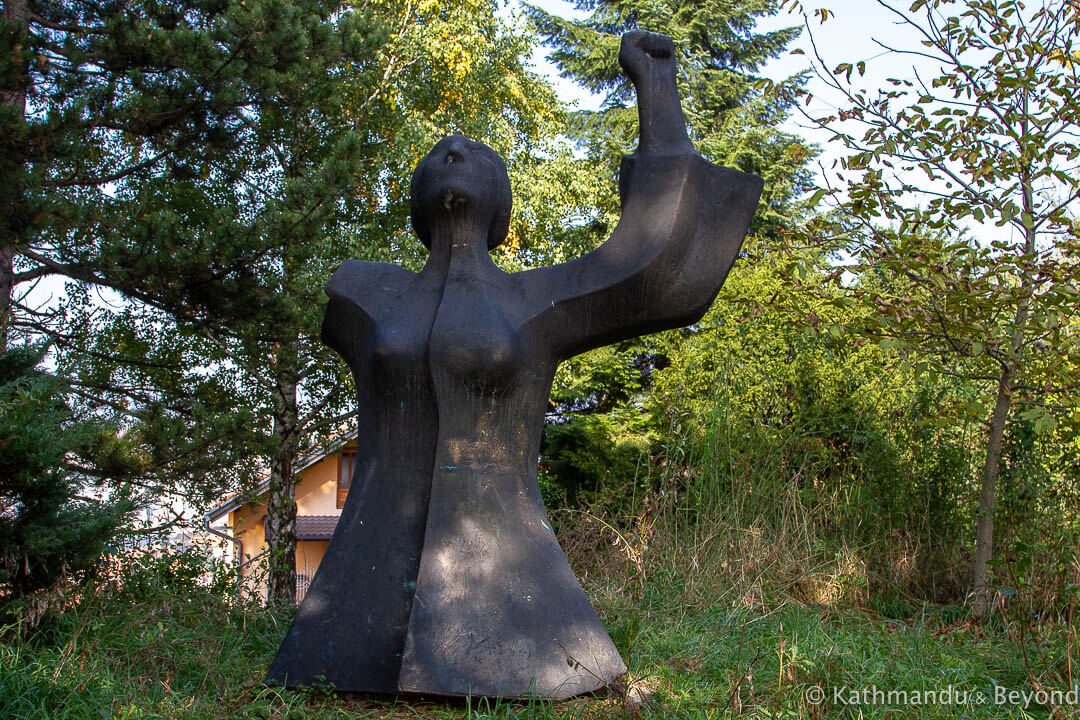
(444, 575)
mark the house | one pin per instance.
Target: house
(322, 484)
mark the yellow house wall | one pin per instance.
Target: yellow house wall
(309, 553)
(247, 524)
(316, 494)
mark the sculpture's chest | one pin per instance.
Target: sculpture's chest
(398, 350)
(472, 341)
(459, 334)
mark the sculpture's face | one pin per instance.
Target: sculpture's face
(464, 176)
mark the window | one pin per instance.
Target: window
(346, 465)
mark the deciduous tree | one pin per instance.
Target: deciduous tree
(957, 204)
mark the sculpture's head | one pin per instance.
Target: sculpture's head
(464, 177)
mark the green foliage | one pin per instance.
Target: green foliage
(753, 387)
(144, 572)
(593, 460)
(185, 409)
(47, 531)
(1037, 524)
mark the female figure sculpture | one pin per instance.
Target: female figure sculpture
(443, 575)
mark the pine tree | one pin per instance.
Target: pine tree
(220, 247)
(46, 531)
(109, 107)
(142, 155)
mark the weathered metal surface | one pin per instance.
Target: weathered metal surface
(443, 575)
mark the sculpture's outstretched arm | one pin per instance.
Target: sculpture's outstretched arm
(683, 222)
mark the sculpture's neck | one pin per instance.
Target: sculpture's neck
(459, 245)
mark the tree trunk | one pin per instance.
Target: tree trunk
(281, 502)
(7, 278)
(15, 12)
(984, 529)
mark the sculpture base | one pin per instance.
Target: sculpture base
(490, 609)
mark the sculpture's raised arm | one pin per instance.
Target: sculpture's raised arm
(648, 59)
(683, 222)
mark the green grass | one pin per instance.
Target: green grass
(190, 654)
(763, 664)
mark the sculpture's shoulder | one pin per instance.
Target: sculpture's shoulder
(646, 175)
(732, 185)
(362, 294)
(368, 285)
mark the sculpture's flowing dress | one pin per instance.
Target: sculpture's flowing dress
(444, 575)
